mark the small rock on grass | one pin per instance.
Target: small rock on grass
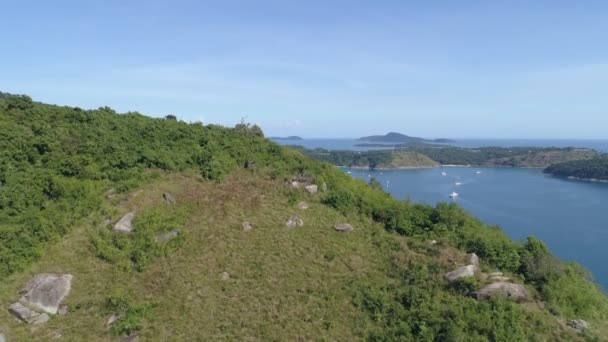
(113, 319)
(472, 259)
(125, 225)
(462, 272)
(294, 222)
(303, 206)
(130, 338)
(578, 324)
(63, 310)
(247, 226)
(343, 227)
(169, 199)
(168, 236)
(225, 276)
(313, 188)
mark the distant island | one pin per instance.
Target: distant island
(595, 169)
(394, 137)
(293, 137)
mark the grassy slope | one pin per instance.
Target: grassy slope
(285, 284)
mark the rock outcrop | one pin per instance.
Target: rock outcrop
(294, 222)
(462, 272)
(343, 227)
(169, 199)
(472, 259)
(42, 296)
(507, 290)
(125, 225)
(46, 291)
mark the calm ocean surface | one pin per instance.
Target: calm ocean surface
(570, 216)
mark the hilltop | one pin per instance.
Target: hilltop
(177, 232)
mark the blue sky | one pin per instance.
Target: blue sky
(502, 69)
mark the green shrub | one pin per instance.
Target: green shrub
(130, 316)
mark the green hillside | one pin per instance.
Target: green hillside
(67, 175)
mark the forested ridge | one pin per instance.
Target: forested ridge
(591, 169)
(539, 157)
(64, 171)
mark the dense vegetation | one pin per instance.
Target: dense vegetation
(62, 169)
(596, 168)
(485, 156)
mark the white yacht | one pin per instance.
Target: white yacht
(444, 174)
(478, 172)
(453, 195)
(457, 183)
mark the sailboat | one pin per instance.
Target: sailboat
(443, 173)
(453, 195)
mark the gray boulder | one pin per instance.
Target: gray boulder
(247, 226)
(578, 325)
(343, 227)
(294, 222)
(302, 205)
(169, 199)
(225, 276)
(2, 337)
(168, 236)
(313, 188)
(472, 259)
(462, 272)
(295, 184)
(507, 290)
(46, 291)
(125, 225)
